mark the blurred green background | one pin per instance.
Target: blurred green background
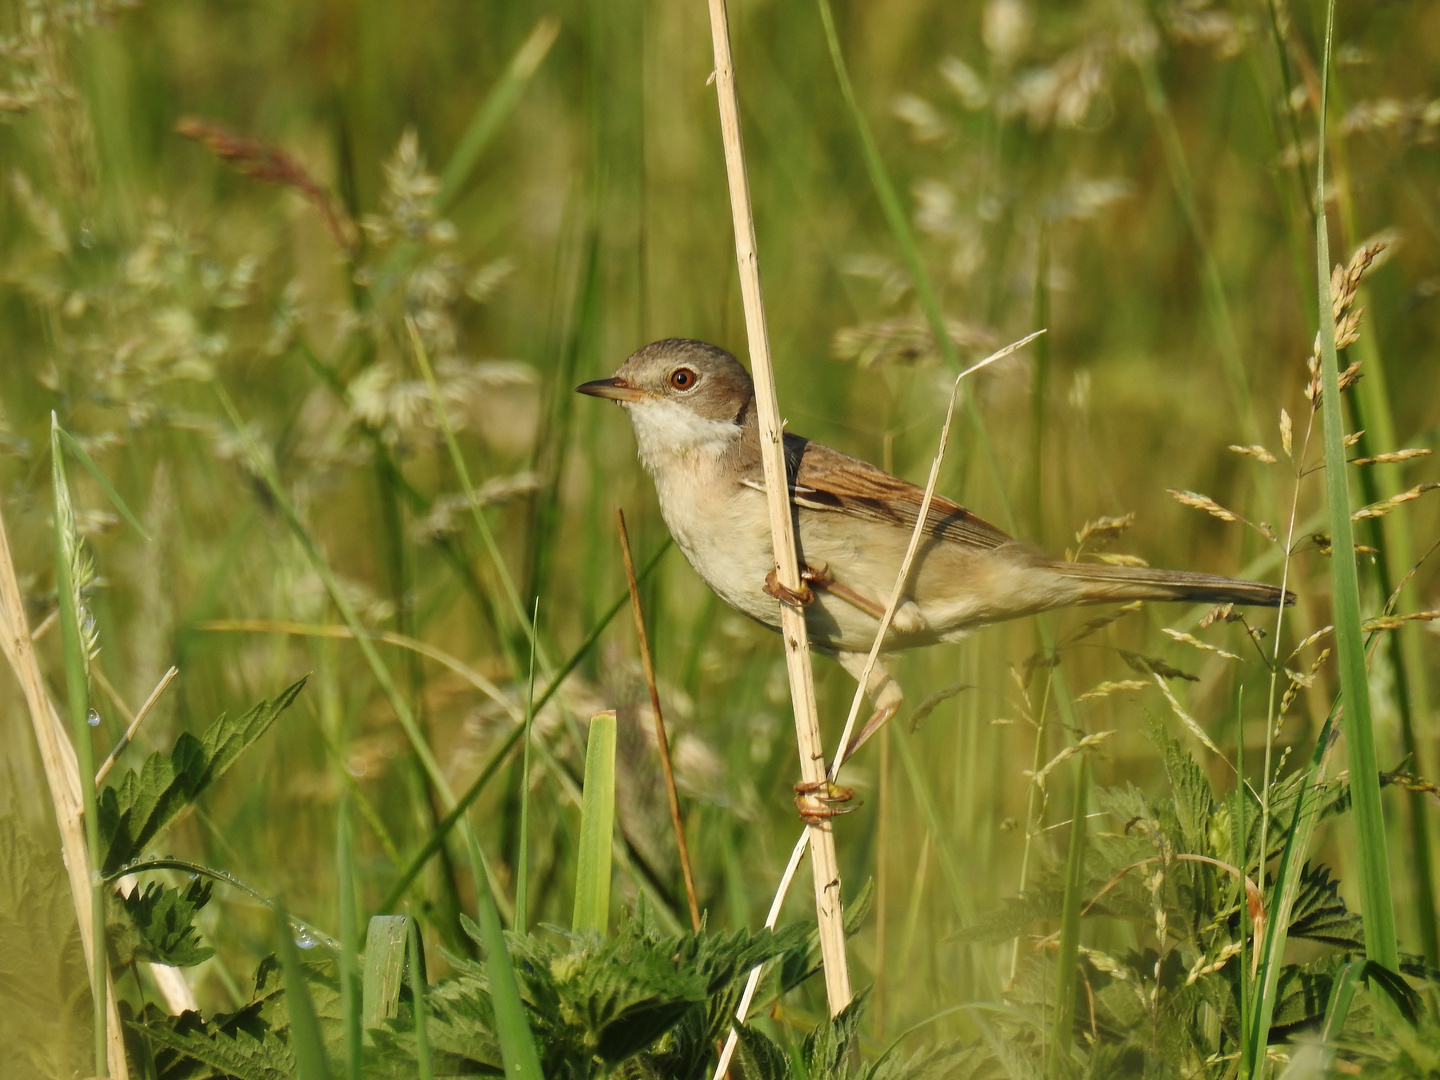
(1138, 178)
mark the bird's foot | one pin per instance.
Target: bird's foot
(800, 598)
(820, 800)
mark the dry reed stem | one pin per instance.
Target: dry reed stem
(62, 775)
(661, 740)
(792, 622)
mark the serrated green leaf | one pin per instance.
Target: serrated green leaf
(241, 1045)
(825, 1049)
(760, 1058)
(158, 925)
(1190, 791)
(135, 808)
(1320, 914)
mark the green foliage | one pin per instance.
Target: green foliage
(134, 810)
(597, 829)
(828, 1053)
(252, 1043)
(1165, 995)
(650, 1004)
(158, 924)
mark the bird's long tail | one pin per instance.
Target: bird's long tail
(1098, 583)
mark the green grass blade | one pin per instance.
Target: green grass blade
(1390, 537)
(495, 109)
(423, 1069)
(100, 478)
(497, 759)
(71, 568)
(462, 471)
(1282, 902)
(597, 828)
(384, 967)
(305, 1040)
(1341, 995)
(517, 1043)
(1068, 957)
(522, 858)
(349, 958)
(1376, 904)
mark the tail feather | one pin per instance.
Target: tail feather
(1102, 584)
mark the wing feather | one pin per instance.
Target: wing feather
(826, 480)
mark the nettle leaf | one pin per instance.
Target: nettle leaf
(1321, 915)
(1301, 995)
(1190, 790)
(760, 1058)
(826, 1049)
(158, 925)
(240, 1044)
(656, 1002)
(132, 812)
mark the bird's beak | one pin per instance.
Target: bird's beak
(610, 389)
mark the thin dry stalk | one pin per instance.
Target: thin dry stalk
(792, 622)
(748, 996)
(916, 535)
(135, 722)
(660, 736)
(62, 775)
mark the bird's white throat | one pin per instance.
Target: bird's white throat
(668, 432)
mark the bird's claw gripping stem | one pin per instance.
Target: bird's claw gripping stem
(820, 800)
(804, 596)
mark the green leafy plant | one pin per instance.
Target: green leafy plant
(138, 805)
(158, 925)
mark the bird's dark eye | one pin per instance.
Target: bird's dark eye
(683, 378)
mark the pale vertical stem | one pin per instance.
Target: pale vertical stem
(62, 775)
(792, 623)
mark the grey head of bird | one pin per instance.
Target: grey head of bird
(684, 398)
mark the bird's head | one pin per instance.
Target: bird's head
(684, 398)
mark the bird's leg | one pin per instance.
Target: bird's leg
(811, 579)
(908, 619)
(883, 691)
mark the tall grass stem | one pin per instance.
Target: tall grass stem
(1377, 906)
(70, 568)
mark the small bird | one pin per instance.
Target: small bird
(692, 406)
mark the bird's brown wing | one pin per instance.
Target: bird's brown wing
(827, 480)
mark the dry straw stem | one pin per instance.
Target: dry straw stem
(135, 722)
(62, 775)
(661, 741)
(916, 535)
(748, 996)
(792, 622)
